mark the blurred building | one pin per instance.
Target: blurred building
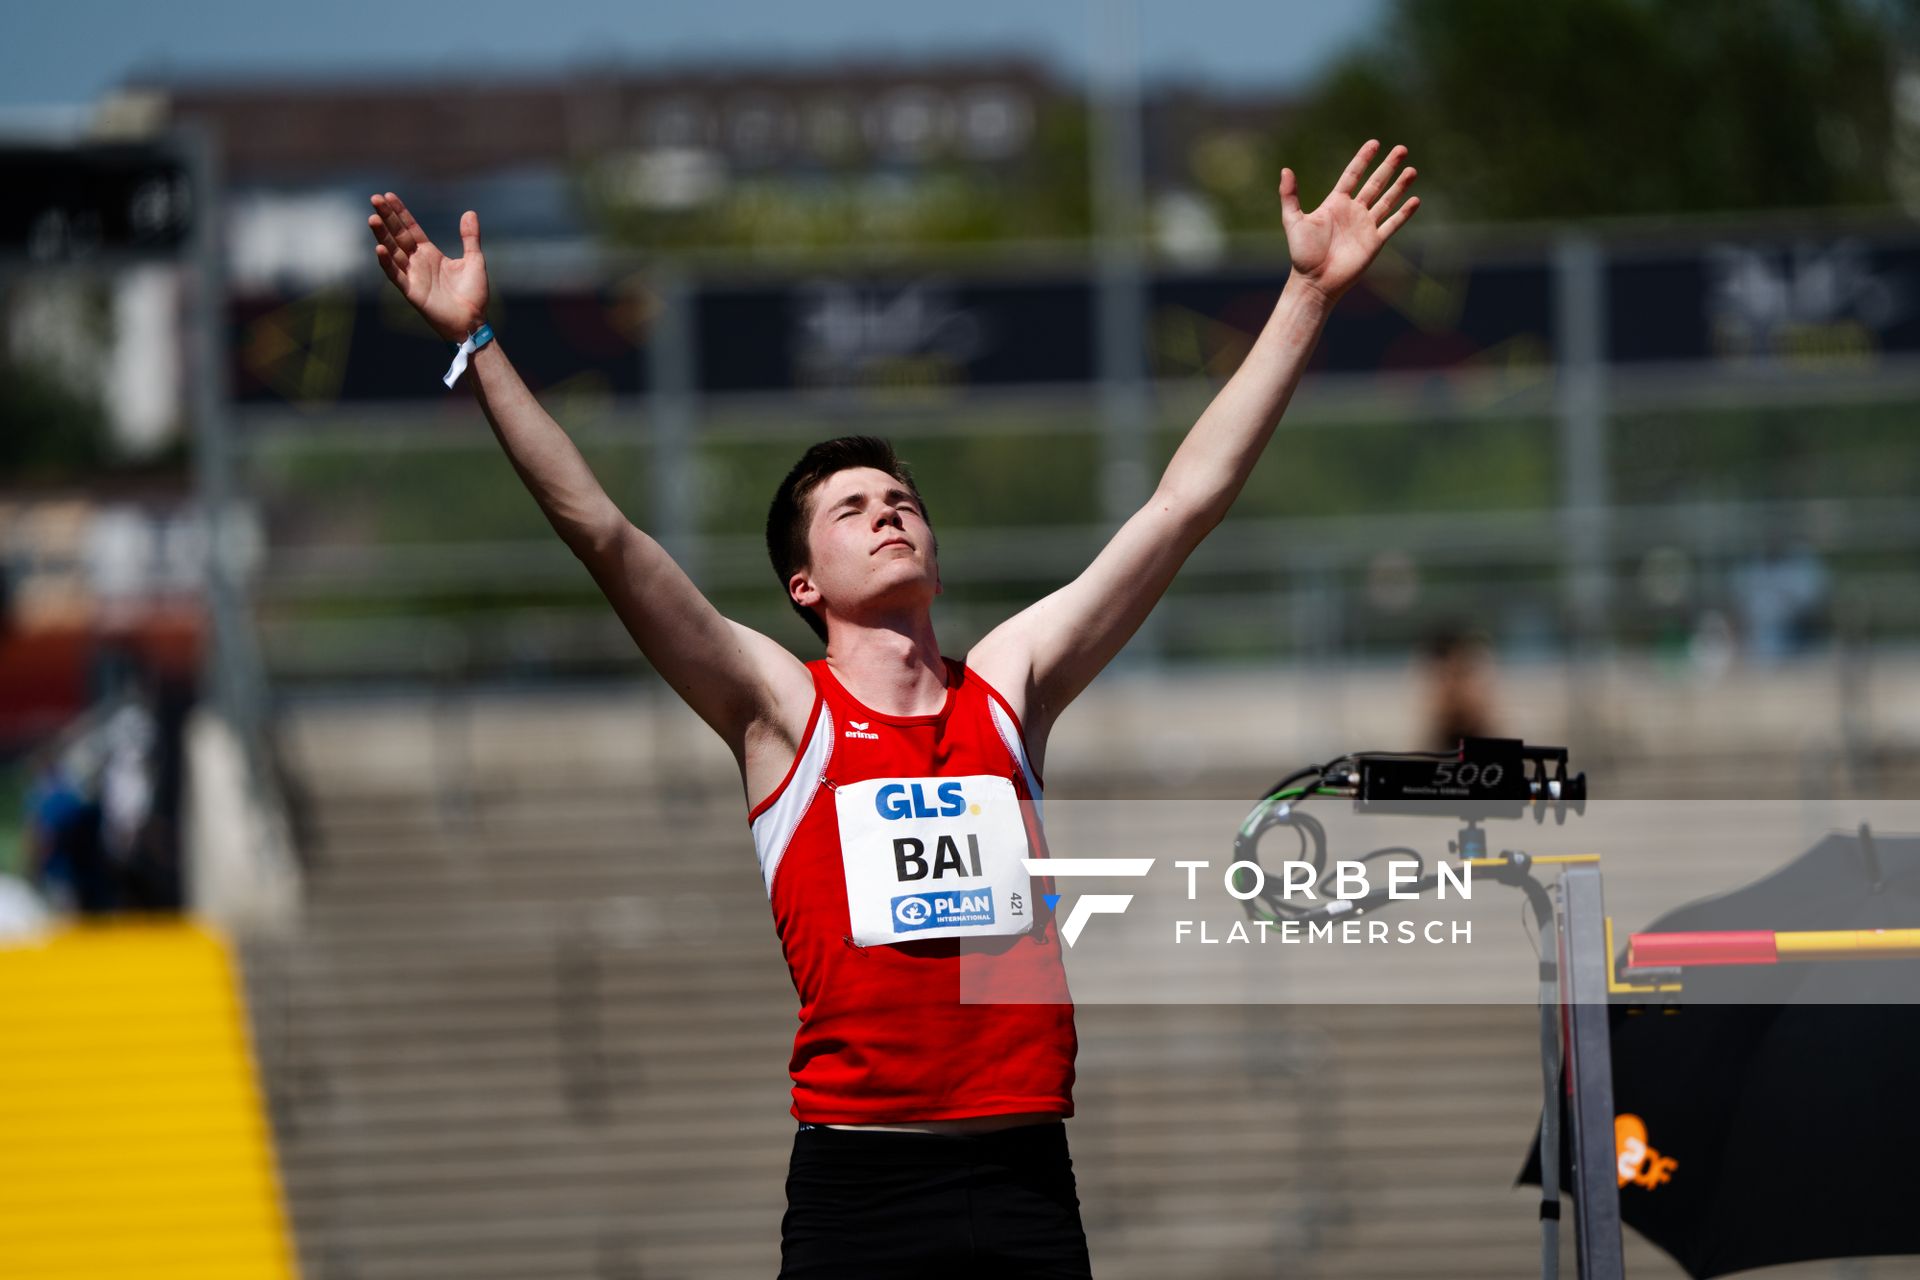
(597, 152)
(537, 154)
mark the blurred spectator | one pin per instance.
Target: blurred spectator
(1459, 687)
(153, 876)
(1781, 599)
(103, 804)
(64, 852)
(126, 780)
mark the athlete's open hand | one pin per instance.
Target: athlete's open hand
(450, 292)
(1332, 246)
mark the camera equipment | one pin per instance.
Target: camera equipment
(1480, 779)
(1485, 778)
(1489, 778)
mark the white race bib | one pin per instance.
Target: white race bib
(933, 858)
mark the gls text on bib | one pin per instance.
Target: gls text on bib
(933, 858)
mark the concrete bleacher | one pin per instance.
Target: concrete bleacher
(535, 1023)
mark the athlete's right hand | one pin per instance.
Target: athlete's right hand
(450, 292)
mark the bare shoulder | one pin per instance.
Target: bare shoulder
(771, 738)
(1004, 660)
(787, 683)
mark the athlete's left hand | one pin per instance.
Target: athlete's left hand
(1332, 246)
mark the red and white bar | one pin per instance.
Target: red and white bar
(1768, 946)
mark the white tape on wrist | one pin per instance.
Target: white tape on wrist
(477, 339)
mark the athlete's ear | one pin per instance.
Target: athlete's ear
(801, 591)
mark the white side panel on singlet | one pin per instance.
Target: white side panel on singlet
(774, 828)
(1010, 735)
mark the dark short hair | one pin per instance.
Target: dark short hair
(792, 507)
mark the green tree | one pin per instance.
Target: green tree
(1593, 108)
(48, 432)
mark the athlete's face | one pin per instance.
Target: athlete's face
(870, 546)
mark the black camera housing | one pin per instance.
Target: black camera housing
(1487, 778)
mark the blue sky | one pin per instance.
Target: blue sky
(69, 51)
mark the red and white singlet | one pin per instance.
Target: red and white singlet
(891, 854)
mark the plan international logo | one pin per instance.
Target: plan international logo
(917, 911)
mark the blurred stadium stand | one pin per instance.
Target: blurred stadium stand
(535, 1021)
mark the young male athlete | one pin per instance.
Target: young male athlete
(893, 791)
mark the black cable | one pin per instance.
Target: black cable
(1313, 847)
(1274, 790)
(1269, 812)
(1419, 858)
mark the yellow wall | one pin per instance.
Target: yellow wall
(133, 1142)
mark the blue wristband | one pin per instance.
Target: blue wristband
(477, 339)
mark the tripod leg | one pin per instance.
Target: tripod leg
(1550, 1072)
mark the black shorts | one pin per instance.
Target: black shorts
(862, 1204)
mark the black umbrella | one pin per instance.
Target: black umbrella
(1770, 1118)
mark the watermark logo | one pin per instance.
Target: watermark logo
(1092, 904)
(1335, 920)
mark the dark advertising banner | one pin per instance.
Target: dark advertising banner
(1809, 302)
(65, 204)
(1413, 320)
(339, 345)
(878, 334)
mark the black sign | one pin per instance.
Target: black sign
(339, 345)
(912, 332)
(1715, 301)
(1414, 319)
(66, 204)
(1810, 301)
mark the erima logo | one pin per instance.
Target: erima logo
(858, 729)
(1090, 904)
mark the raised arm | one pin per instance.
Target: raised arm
(736, 679)
(1046, 654)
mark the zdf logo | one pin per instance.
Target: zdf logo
(1638, 1162)
(1089, 904)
